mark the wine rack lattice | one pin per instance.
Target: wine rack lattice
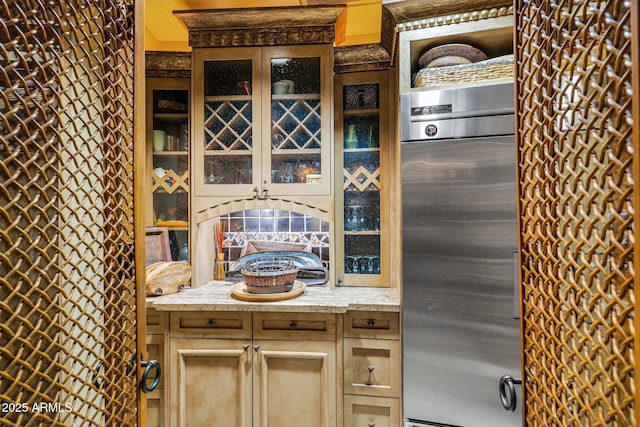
(228, 125)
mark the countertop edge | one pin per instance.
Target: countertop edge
(216, 297)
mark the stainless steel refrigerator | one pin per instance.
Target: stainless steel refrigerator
(460, 294)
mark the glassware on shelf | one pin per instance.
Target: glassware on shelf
(351, 138)
(370, 139)
(353, 264)
(353, 221)
(373, 265)
(184, 253)
(288, 173)
(184, 137)
(158, 140)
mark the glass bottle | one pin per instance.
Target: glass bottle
(184, 253)
(218, 269)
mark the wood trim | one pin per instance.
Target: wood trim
(262, 36)
(293, 16)
(168, 64)
(370, 57)
(247, 27)
(410, 10)
(139, 191)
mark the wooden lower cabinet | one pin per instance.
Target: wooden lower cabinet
(242, 369)
(372, 369)
(210, 382)
(227, 382)
(294, 384)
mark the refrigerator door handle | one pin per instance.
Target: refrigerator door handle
(516, 285)
(507, 392)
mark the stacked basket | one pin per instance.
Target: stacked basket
(271, 275)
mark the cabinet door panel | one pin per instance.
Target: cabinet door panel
(211, 383)
(295, 384)
(167, 148)
(363, 137)
(226, 119)
(297, 137)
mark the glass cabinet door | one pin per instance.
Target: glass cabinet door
(168, 165)
(297, 136)
(362, 129)
(227, 121)
(261, 121)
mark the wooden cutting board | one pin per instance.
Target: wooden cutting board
(239, 291)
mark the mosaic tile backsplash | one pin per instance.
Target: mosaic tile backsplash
(272, 225)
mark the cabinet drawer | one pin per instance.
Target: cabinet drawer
(371, 324)
(302, 326)
(367, 411)
(372, 367)
(211, 324)
(156, 322)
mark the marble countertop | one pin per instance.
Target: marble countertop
(216, 296)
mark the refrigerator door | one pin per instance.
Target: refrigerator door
(459, 236)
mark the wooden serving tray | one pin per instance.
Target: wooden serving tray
(239, 291)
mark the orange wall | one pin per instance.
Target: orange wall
(360, 24)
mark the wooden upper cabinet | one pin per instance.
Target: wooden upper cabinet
(167, 148)
(363, 140)
(261, 123)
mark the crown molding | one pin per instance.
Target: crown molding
(248, 27)
(167, 64)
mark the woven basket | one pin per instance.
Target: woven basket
(275, 272)
(490, 69)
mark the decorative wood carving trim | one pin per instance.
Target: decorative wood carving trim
(262, 36)
(168, 64)
(411, 10)
(361, 58)
(388, 33)
(371, 56)
(248, 27)
(456, 18)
